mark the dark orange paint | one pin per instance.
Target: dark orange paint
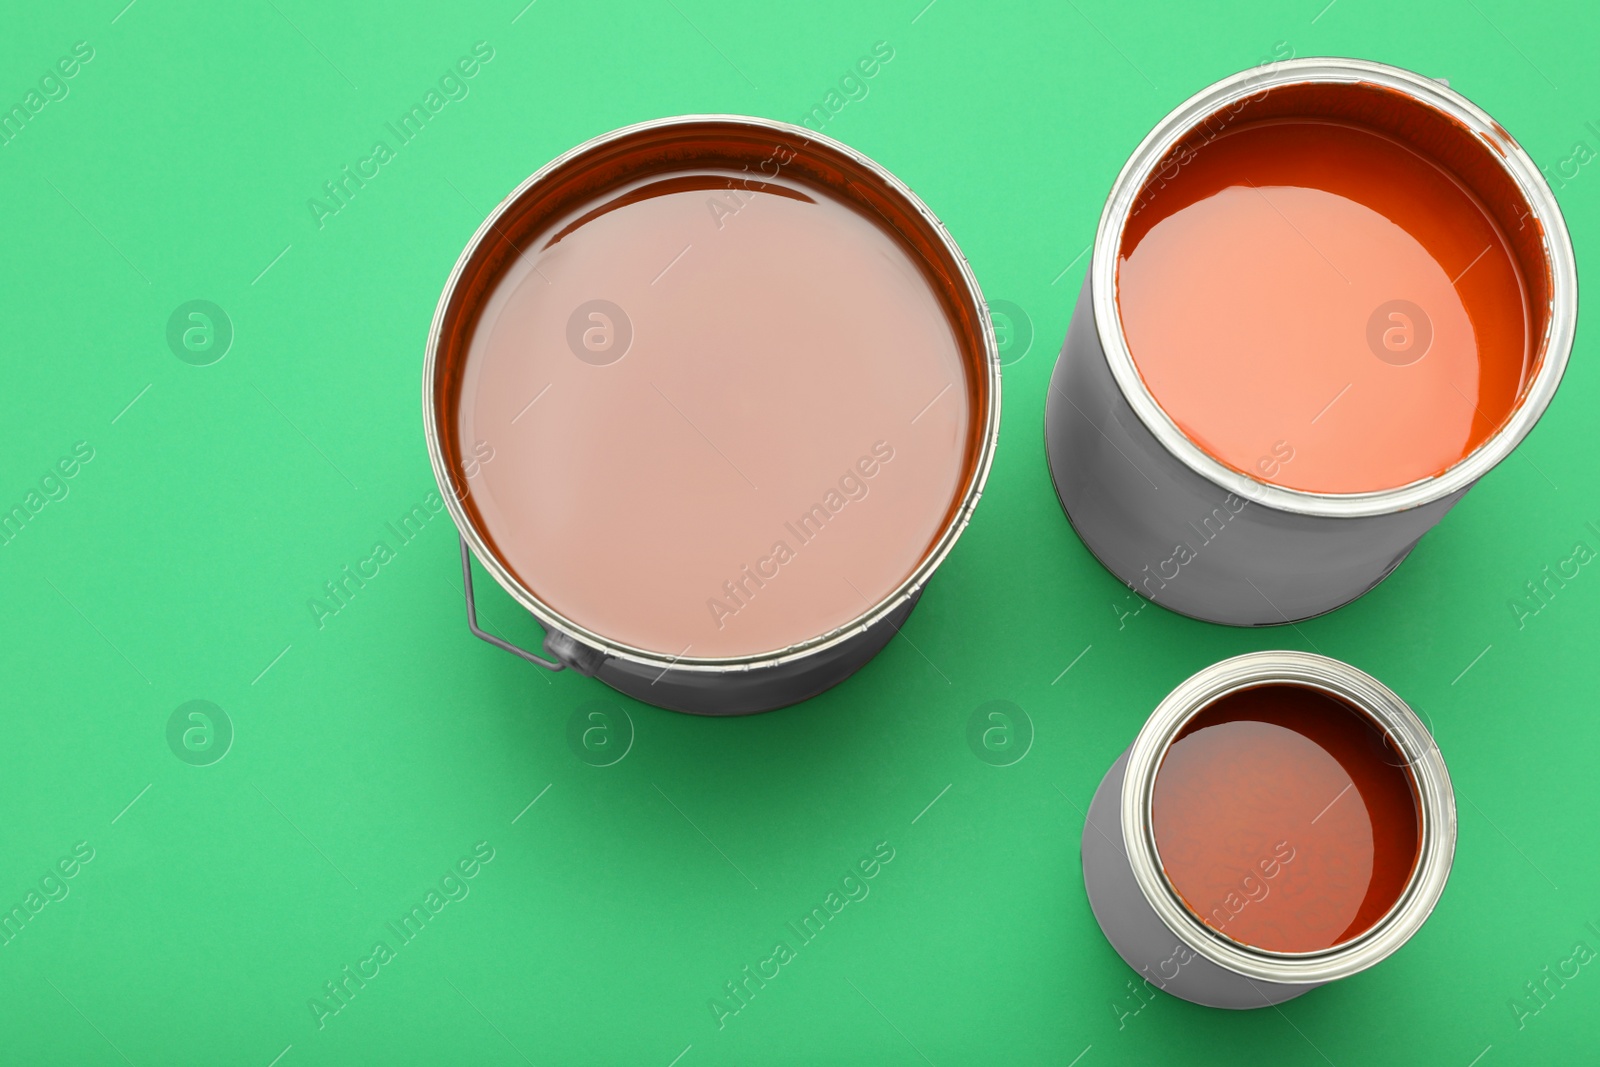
(1286, 819)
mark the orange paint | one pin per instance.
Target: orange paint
(1285, 819)
(1322, 307)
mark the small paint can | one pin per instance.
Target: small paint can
(711, 397)
(1222, 857)
(1216, 538)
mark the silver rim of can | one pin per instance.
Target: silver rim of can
(1436, 802)
(1554, 347)
(435, 421)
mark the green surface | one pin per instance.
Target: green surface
(369, 756)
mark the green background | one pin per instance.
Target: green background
(372, 754)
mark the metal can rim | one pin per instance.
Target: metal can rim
(434, 421)
(1554, 351)
(1436, 801)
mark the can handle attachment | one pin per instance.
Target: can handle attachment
(472, 619)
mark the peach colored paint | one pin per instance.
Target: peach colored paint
(776, 451)
(1248, 285)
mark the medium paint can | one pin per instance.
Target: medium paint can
(1217, 810)
(711, 397)
(1225, 539)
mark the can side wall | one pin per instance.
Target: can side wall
(755, 689)
(1143, 941)
(1178, 539)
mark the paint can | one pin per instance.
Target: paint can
(1166, 819)
(1216, 539)
(670, 425)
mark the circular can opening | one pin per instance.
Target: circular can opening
(1285, 819)
(1301, 797)
(711, 390)
(1335, 287)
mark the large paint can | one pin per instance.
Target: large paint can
(711, 397)
(1244, 451)
(1283, 820)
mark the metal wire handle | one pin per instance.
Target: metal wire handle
(472, 619)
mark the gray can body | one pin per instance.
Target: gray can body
(733, 685)
(1209, 541)
(1147, 922)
